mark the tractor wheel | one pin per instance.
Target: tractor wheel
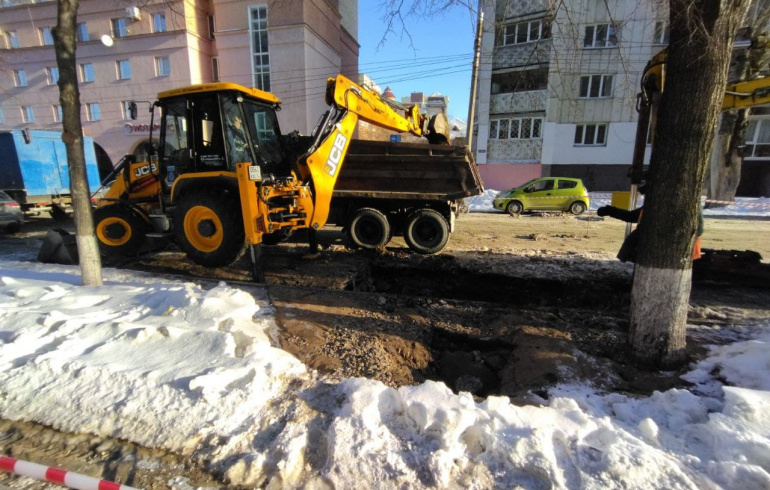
(369, 228)
(209, 229)
(120, 230)
(426, 231)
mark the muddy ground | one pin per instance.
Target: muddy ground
(510, 307)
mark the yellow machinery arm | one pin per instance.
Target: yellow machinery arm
(303, 201)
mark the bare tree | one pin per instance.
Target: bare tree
(72, 134)
(724, 172)
(701, 40)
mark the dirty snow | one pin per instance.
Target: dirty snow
(177, 366)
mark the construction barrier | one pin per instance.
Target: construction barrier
(57, 476)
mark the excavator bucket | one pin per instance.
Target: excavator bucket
(59, 247)
(437, 130)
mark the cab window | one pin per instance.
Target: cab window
(174, 133)
(543, 185)
(264, 130)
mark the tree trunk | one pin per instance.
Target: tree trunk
(699, 53)
(725, 169)
(72, 134)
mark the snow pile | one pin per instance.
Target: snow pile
(192, 370)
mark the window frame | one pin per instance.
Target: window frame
(49, 72)
(543, 32)
(582, 130)
(20, 78)
(518, 122)
(611, 34)
(660, 33)
(12, 39)
(602, 80)
(155, 17)
(87, 69)
(159, 65)
(27, 114)
(46, 36)
(119, 27)
(215, 75)
(263, 75)
(752, 142)
(58, 115)
(118, 65)
(81, 32)
(91, 115)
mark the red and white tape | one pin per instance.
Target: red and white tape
(55, 475)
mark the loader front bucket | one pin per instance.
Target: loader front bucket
(59, 247)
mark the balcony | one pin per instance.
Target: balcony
(518, 102)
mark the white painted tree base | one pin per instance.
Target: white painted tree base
(659, 307)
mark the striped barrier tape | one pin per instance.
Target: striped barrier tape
(607, 196)
(57, 476)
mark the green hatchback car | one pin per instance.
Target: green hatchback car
(545, 194)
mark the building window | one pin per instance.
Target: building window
(12, 39)
(92, 112)
(124, 69)
(27, 114)
(519, 128)
(520, 81)
(596, 86)
(600, 36)
(159, 22)
(57, 114)
(591, 135)
(758, 139)
(20, 78)
(162, 66)
(212, 27)
(46, 38)
(259, 48)
(125, 108)
(52, 75)
(524, 32)
(82, 32)
(119, 28)
(2, 117)
(660, 34)
(215, 69)
(86, 72)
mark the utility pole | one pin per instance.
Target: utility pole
(474, 79)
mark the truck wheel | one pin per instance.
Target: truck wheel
(209, 229)
(58, 213)
(120, 231)
(426, 231)
(369, 228)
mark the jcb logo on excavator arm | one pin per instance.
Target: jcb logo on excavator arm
(338, 149)
(145, 170)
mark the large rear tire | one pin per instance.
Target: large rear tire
(120, 230)
(209, 228)
(426, 231)
(369, 229)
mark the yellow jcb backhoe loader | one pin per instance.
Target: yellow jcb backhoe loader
(222, 174)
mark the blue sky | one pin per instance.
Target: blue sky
(438, 57)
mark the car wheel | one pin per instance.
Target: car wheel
(426, 231)
(577, 207)
(514, 208)
(369, 228)
(120, 230)
(209, 229)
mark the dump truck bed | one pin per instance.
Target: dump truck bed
(381, 169)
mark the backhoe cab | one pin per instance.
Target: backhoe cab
(223, 175)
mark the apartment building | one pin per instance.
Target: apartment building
(130, 52)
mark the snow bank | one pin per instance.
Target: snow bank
(744, 206)
(177, 366)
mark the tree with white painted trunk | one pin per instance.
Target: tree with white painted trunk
(701, 40)
(72, 135)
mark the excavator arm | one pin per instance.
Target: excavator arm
(303, 201)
